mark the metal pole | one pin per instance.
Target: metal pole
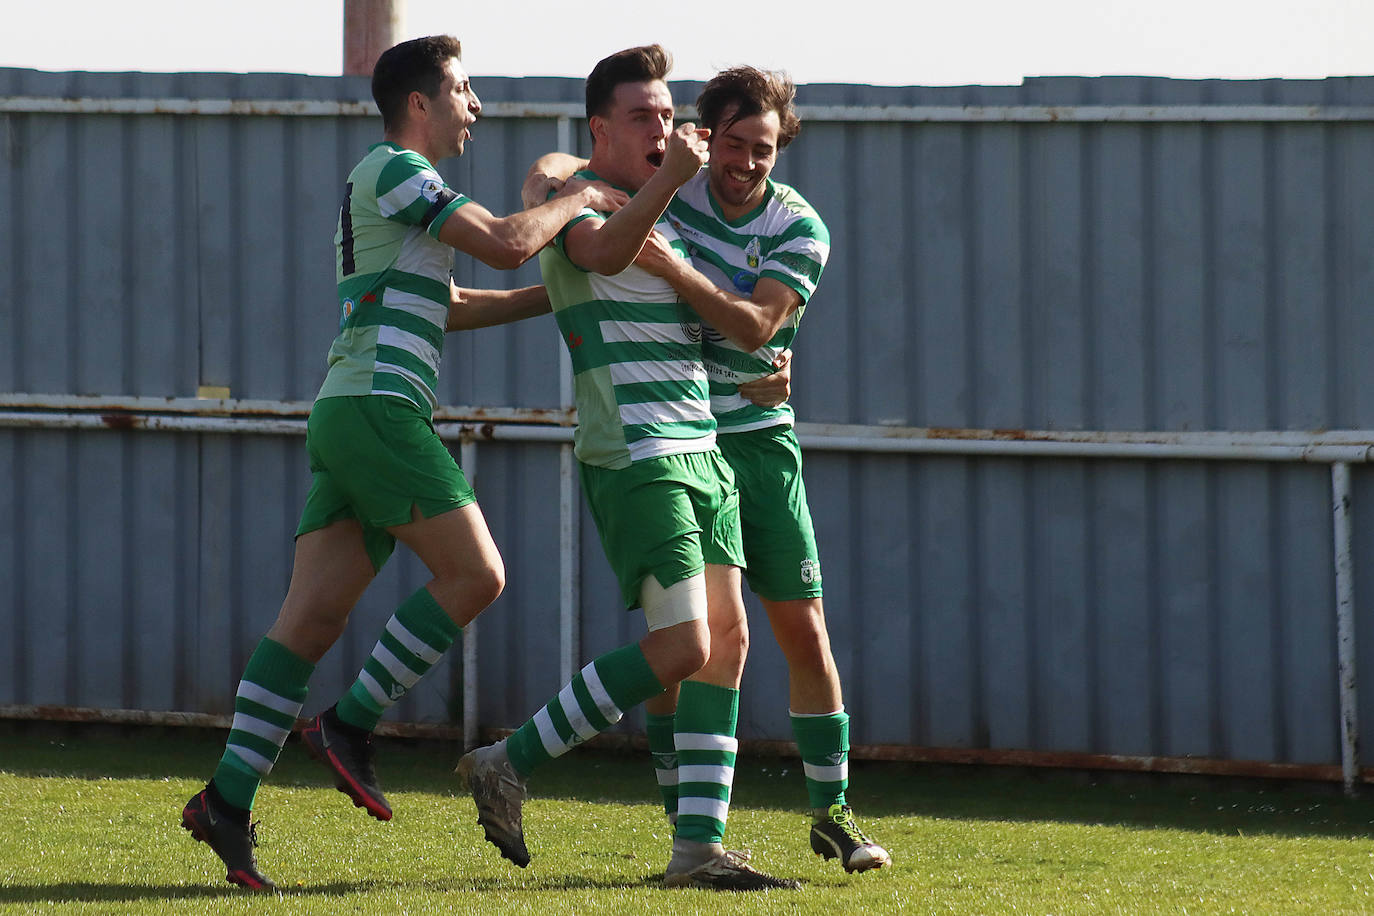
(370, 27)
(569, 540)
(467, 458)
(1345, 626)
(569, 528)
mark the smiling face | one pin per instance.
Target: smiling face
(742, 157)
(632, 135)
(452, 111)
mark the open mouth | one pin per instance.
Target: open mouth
(655, 158)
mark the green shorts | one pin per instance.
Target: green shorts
(779, 541)
(665, 517)
(374, 457)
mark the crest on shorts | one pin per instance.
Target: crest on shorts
(810, 570)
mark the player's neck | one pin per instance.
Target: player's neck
(413, 141)
(733, 212)
(609, 171)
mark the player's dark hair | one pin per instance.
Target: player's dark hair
(411, 66)
(633, 65)
(756, 91)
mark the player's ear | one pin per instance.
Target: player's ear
(597, 125)
(417, 104)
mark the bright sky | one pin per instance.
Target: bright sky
(883, 42)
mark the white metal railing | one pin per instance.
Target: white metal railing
(915, 114)
(470, 425)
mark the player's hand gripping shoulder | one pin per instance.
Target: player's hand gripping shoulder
(771, 390)
(658, 257)
(597, 195)
(546, 176)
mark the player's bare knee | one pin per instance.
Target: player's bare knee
(678, 630)
(730, 644)
(491, 582)
(677, 652)
(479, 586)
(690, 659)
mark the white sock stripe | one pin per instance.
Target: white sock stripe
(697, 772)
(260, 764)
(577, 718)
(374, 689)
(395, 667)
(666, 777)
(422, 650)
(264, 697)
(713, 808)
(700, 741)
(260, 727)
(600, 696)
(838, 773)
(548, 735)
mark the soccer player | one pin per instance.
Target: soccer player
(754, 240)
(380, 473)
(663, 498)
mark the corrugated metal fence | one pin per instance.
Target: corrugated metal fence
(1073, 257)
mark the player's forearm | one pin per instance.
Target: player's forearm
(522, 234)
(617, 241)
(738, 319)
(555, 165)
(483, 308)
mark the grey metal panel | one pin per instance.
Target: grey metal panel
(1110, 274)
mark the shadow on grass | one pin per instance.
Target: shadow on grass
(91, 892)
(86, 892)
(1216, 805)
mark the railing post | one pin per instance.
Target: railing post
(1345, 625)
(467, 458)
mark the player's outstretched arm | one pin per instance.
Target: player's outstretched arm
(547, 175)
(483, 308)
(506, 242)
(750, 323)
(608, 247)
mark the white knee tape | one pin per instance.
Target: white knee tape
(678, 603)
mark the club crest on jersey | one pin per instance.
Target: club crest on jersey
(810, 570)
(751, 253)
(347, 311)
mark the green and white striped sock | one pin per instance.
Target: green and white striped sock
(663, 749)
(413, 641)
(265, 708)
(590, 703)
(706, 748)
(824, 744)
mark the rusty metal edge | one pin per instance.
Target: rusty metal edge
(1064, 760)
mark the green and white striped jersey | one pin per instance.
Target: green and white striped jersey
(393, 275)
(638, 375)
(783, 238)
